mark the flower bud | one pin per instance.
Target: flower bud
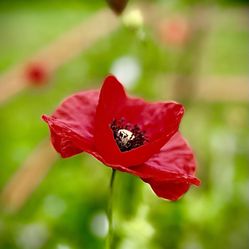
(117, 5)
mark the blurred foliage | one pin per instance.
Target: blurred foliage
(61, 211)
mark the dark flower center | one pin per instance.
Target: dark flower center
(127, 136)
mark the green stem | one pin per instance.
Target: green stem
(109, 244)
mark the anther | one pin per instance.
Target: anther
(125, 136)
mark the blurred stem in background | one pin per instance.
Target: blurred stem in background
(189, 63)
(109, 240)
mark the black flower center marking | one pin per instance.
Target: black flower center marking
(127, 136)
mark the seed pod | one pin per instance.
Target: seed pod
(117, 5)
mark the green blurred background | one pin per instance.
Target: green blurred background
(205, 67)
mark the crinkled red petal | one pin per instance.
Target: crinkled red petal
(171, 171)
(160, 121)
(175, 158)
(72, 124)
(169, 190)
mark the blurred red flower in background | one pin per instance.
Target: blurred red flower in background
(174, 31)
(127, 134)
(36, 73)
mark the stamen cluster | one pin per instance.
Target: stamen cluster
(126, 135)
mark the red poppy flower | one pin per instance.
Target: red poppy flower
(127, 134)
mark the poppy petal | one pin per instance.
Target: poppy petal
(170, 172)
(111, 100)
(72, 124)
(169, 190)
(160, 121)
(174, 159)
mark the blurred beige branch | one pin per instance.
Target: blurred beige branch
(28, 177)
(210, 88)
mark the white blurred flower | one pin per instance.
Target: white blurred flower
(127, 69)
(32, 236)
(99, 225)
